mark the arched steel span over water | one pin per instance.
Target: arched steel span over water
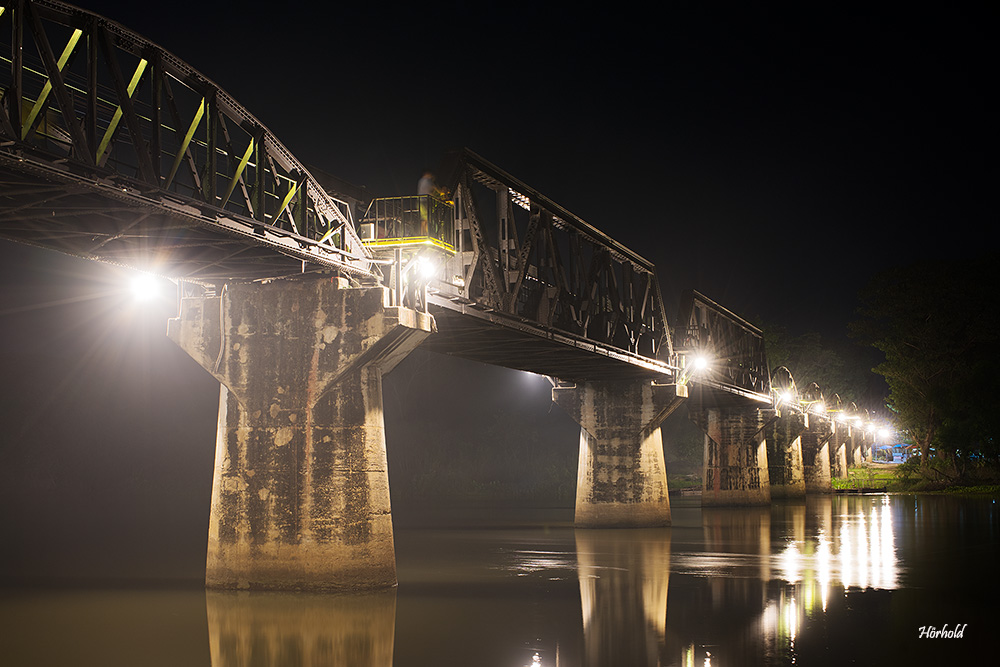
(113, 149)
(117, 150)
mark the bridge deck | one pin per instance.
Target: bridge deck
(109, 222)
(470, 331)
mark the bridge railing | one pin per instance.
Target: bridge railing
(87, 98)
(395, 220)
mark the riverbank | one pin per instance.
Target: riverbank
(870, 476)
(894, 478)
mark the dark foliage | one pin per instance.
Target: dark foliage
(837, 366)
(938, 327)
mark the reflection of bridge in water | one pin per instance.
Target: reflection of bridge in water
(502, 588)
(116, 150)
(781, 567)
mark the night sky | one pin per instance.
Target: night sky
(772, 159)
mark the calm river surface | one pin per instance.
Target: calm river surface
(832, 581)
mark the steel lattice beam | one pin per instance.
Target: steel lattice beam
(528, 262)
(738, 360)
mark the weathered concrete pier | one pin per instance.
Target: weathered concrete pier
(840, 433)
(816, 454)
(784, 456)
(735, 468)
(622, 478)
(300, 497)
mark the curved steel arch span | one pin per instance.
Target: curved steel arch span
(114, 149)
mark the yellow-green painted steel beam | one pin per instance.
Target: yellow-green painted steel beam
(239, 173)
(74, 39)
(293, 187)
(133, 84)
(195, 122)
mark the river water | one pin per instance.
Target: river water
(830, 581)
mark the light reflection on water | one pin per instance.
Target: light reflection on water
(559, 565)
(830, 581)
(623, 594)
(852, 549)
(301, 629)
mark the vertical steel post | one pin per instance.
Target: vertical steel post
(397, 287)
(91, 127)
(212, 132)
(16, 65)
(157, 82)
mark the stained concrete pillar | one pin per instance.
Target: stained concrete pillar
(858, 441)
(622, 478)
(838, 449)
(855, 445)
(866, 439)
(300, 496)
(735, 469)
(846, 435)
(816, 454)
(783, 438)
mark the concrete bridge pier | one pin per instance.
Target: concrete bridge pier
(866, 439)
(816, 454)
(855, 453)
(846, 435)
(838, 449)
(783, 438)
(300, 496)
(735, 470)
(622, 477)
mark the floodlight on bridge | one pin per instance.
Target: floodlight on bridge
(784, 393)
(700, 363)
(426, 267)
(692, 365)
(144, 287)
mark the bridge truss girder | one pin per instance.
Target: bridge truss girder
(97, 110)
(524, 260)
(734, 347)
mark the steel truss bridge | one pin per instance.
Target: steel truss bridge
(114, 149)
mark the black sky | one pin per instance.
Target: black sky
(773, 159)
